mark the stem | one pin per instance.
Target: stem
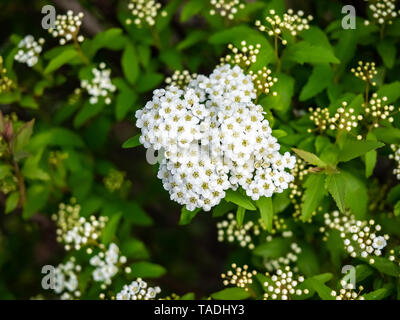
(156, 37)
(382, 31)
(21, 184)
(367, 94)
(80, 52)
(278, 60)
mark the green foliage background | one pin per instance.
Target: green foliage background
(166, 244)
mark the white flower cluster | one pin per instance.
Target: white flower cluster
(214, 138)
(29, 50)
(291, 22)
(106, 264)
(138, 290)
(144, 11)
(226, 8)
(281, 262)
(360, 237)
(230, 230)
(76, 231)
(383, 11)
(240, 277)
(67, 27)
(283, 285)
(379, 110)
(100, 86)
(396, 157)
(66, 280)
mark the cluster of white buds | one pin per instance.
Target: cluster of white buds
(291, 22)
(243, 56)
(76, 231)
(107, 264)
(239, 277)
(144, 12)
(29, 50)
(394, 256)
(379, 110)
(283, 285)
(230, 231)
(396, 157)
(281, 262)
(6, 84)
(296, 186)
(66, 27)
(100, 86)
(347, 292)
(180, 79)
(279, 227)
(226, 8)
(365, 71)
(66, 280)
(138, 290)
(360, 237)
(263, 81)
(383, 11)
(343, 119)
(214, 138)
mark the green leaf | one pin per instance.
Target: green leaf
(385, 266)
(397, 209)
(231, 294)
(126, 99)
(391, 91)
(110, 229)
(87, 112)
(192, 38)
(130, 63)
(355, 148)
(388, 135)
(132, 142)
(134, 249)
(377, 294)
(266, 211)
(305, 52)
(23, 135)
(57, 62)
(191, 8)
(307, 261)
(12, 202)
(279, 133)
(313, 195)
(37, 196)
(336, 185)
(309, 157)
(241, 200)
(145, 269)
(323, 290)
(112, 39)
(284, 89)
(273, 249)
(321, 77)
(57, 137)
(387, 51)
(240, 215)
(187, 215)
(370, 157)
(29, 102)
(356, 197)
(5, 170)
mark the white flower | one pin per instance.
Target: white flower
(214, 138)
(379, 243)
(138, 290)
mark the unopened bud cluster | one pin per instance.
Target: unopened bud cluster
(291, 22)
(67, 27)
(180, 79)
(360, 238)
(383, 11)
(379, 110)
(226, 8)
(396, 157)
(114, 180)
(243, 56)
(29, 50)
(229, 230)
(144, 12)
(347, 292)
(263, 81)
(76, 231)
(287, 260)
(6, 84)
(239, 277)
(283, 285)
(365, 71)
